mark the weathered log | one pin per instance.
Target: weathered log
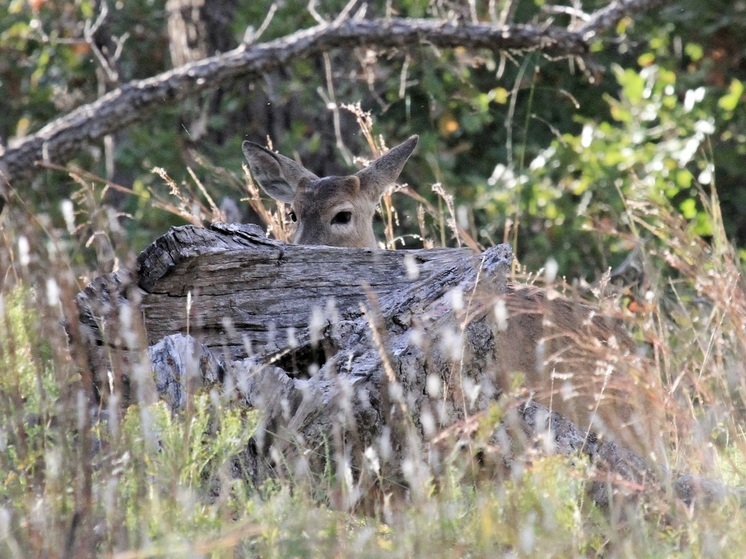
(360, 360)
(236, 291)
(242, 294)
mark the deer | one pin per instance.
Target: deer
(334, 211)
(559, 345)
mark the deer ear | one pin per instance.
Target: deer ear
(276, 174)
(384, 171)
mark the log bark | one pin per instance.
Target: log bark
(239, 292)
(378, 366)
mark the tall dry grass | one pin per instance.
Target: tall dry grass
(76, 481)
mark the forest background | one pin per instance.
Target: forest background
(535, 150)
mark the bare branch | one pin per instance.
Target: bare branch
(89, 33)
(252, 36)
(316, 15)
(60, 140)
(608, 17)
(346, 11)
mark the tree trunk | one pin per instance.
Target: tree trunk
(196, 30)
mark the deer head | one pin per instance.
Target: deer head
(335, 211)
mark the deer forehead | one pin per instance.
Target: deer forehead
(331, 194)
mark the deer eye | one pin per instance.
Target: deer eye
(293, 217)
(342, 218)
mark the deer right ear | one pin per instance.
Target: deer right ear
(276, 174)
(384, 171)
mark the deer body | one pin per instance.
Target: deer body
(559, 345)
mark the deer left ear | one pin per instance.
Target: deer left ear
(384, 171)
(279, 176)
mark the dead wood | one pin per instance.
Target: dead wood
(237, 291)
(377, 366)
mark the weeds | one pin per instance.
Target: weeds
(78, 481)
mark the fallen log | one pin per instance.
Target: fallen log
(372, 364)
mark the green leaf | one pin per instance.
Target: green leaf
(730, 100)
(646, 59)
(633, 84)
(499, 95)
(694, 51)
(688, 208)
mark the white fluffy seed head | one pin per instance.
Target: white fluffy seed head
(316, 325)
(501, 315)
(411, 267)
(433, 385)
(24, 251)
(53, 292)
(550, 270)
(456, 298)
(68, 214)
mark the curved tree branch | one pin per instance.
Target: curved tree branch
(60, 140)
(609, 16)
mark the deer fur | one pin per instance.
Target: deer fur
(334, 211)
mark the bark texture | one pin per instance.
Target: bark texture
(382, 367)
